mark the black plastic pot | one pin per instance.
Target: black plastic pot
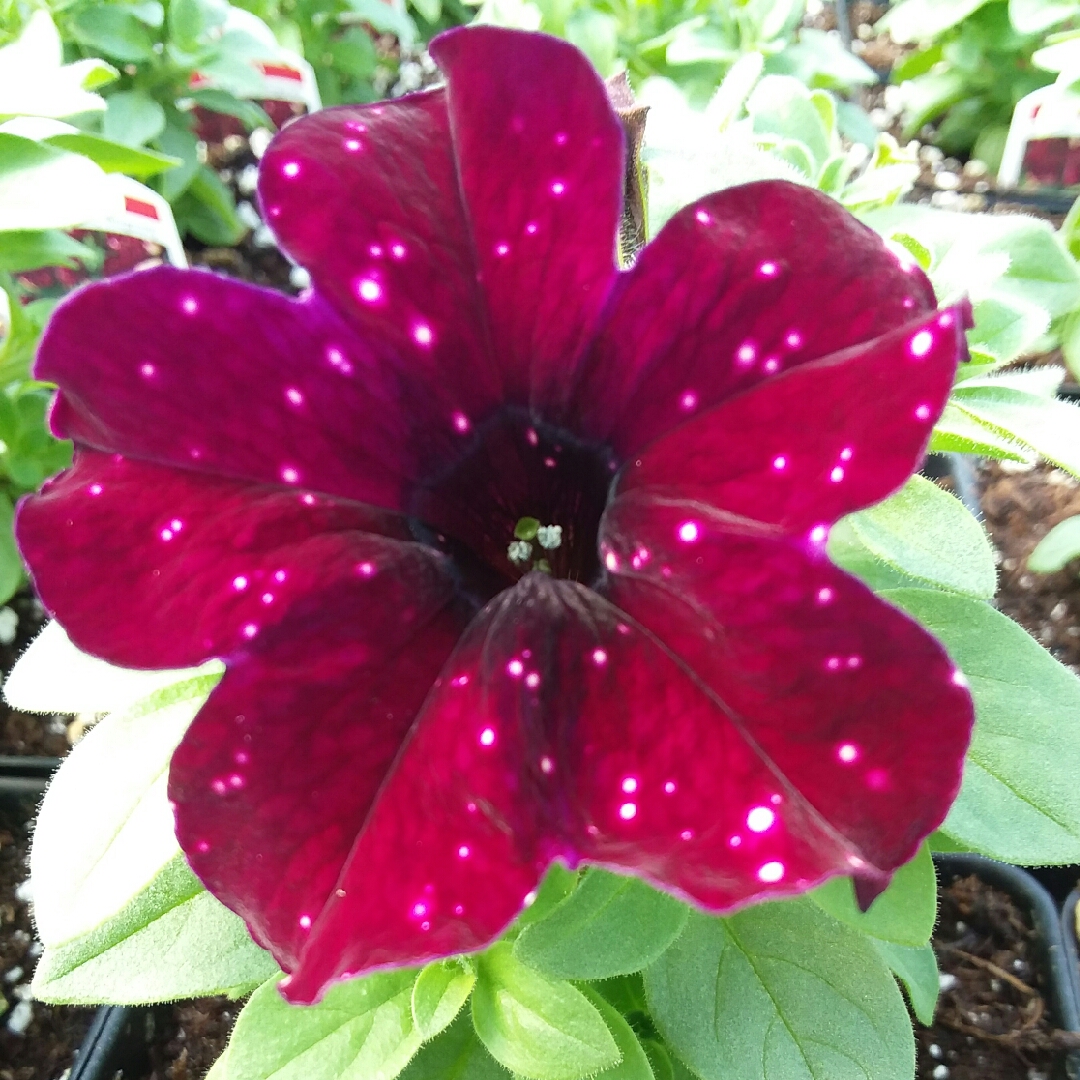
(959, 469)
(117, 1045)
(1061, 983)
(1070, 932)
(23, 777)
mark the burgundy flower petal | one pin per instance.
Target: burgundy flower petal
(824, 439)
(471, 229)
(565, 728)
(737, 287)
(367, 199)
(274, 780)
(155, 567)
(861, 715)
(540, 159)
(190, 369)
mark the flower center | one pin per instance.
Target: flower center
(529, 534)
(523, 496)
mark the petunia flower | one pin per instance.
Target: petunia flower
(511, 556)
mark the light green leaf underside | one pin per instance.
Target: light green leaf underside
(1020, 801)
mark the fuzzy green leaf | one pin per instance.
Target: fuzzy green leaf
(456, 1054)
(1020, 801)
(31, 249)
(53, 676)
(43, 187)
(1057, 548)
(174, 940)
(109, 29)
(11, 566)
(105, 828)
(360, 1030)
(634, 1063)
(780, 991)
(1048, 426)
(610, 925)
(439, 992)
(904, 913)
(132, 118)
(956, 432)
(535, 1026)
(928, 534)
(917, 969)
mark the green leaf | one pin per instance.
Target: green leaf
(360, 1030)
(610, 925)
(174, 940)
(86, 866)
(727, 104)
(925, 532)
(429, 10)
(385, 19)
(780, 991)
(782, 106)
(249, 113)
(179, 142)
(848, 552)
(659, 1059)
(1059, 546)
(113, 157)
(12, 574)
(1011, 258)
(904, 913)
(18, 345)
(440, 990)
(207, 210)
(926, 97)
(109, 29)
(634, 1063)
(625, 992)
(456, 1054)
(1019, 801)
(132, 118)
(1069, 331)
(220, 1069)
(34, 81)
(537, 1027)
(923, 20)
(30, 249)
(957, 432)
(52, 676)
(190, 21)
(1037, 16)
(820, 59)
(1050, 427)
(42, 187)
(596, 34)
(555, 885)
(1043, 381)
(1006, 328)
(917, 969)
(149, 12)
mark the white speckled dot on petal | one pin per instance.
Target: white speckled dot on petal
(771, 872)
(921, 344)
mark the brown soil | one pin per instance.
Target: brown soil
(47, 1045)
(190, 1037)
(1020, 508)
(19, 732)
(992, 1020)
(255, 258)
(877, 50)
